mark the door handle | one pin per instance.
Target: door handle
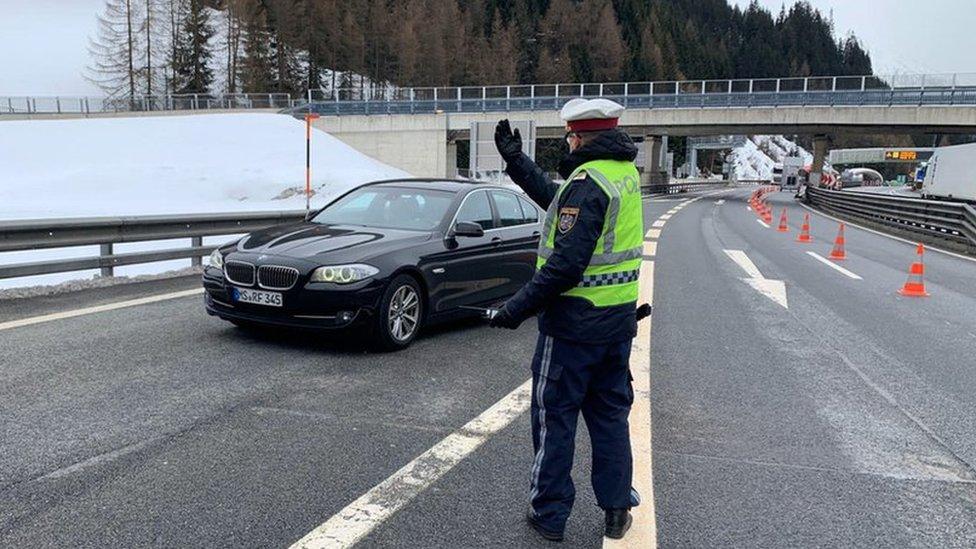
(496, 241)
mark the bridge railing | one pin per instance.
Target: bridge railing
(936, 89)
(25, 105)
(901, 89)
(683, 187)
(107, 231)
(937, 222)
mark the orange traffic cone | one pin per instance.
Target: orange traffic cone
(767, 215)
(915, 285)
(783, 226)
(839, 251)
(805, 230)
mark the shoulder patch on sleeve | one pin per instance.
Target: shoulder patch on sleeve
(567, 219)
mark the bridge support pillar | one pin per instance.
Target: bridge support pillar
(693, 162)
(820, 146)
(451, 170)
(655, 147)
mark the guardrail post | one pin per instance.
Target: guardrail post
(863, 82)
(777, 85)
(104, 251)
(10, 104)
(196, 242)
(57, 101)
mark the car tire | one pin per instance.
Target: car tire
(400, 315)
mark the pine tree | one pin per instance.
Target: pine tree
(193, 51)
(257, 67)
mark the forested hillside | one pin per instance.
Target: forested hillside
(293, 45)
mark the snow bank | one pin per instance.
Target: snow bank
(170, 164)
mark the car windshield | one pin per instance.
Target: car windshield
(388, 208)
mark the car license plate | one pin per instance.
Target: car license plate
(257, 297)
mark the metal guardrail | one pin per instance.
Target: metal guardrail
(947, 223)
(108, 231)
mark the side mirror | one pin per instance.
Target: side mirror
(468, 228)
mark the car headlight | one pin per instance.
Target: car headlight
(216, 260)
(343, 274)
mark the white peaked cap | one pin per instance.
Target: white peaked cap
(591, 114)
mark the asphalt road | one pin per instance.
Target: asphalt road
(845, 420)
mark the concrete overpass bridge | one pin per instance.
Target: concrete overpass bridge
(415, 128)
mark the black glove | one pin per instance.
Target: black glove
(643, 312)
(509, 144)
(504, 320)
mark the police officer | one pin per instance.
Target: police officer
(585, 293)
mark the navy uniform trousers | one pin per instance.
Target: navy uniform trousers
(568, 378)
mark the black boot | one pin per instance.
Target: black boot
(548, 534)
(616, 523)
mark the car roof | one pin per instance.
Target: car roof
(452, 185)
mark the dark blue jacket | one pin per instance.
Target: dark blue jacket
(570, 317)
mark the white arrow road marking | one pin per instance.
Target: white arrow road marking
(834, 266)
(720, 202)
(773, 289)
(763, 223)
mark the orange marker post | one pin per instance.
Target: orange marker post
(308, 159)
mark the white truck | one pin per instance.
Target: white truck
(951, 173)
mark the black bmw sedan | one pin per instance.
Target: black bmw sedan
(390, 257)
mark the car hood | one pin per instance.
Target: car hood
(316, 241)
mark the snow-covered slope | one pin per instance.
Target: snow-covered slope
(170, 164)
(751, 163)
(757, 156)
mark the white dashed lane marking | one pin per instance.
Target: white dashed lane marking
(834, 266)
(360, 517)
(97, 309)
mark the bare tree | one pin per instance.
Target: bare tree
(233, 21)
(115, 53)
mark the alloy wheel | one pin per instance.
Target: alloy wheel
(404, 313)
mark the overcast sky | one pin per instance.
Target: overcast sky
(43, 43)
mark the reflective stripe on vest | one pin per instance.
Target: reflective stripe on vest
(612, 274)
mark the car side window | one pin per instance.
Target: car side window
(476, 209)
(509, 211)
(529, 211)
